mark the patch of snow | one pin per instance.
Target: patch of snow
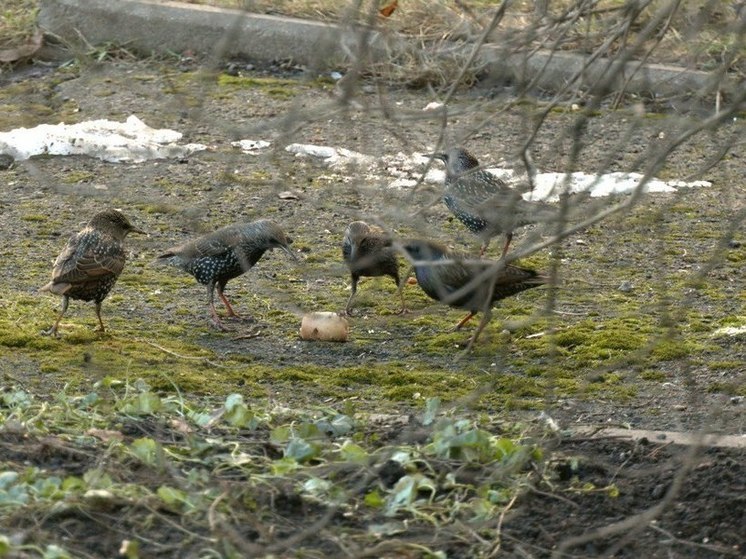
(251, 146)
(131, 141)
(332, 157)
(548, 186)
(730, 331)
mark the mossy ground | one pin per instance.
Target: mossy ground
(628, 335)
(593, 342)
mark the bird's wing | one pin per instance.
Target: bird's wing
(213, 244)
(347, 248)
(509, 275)
(85, 257)
(373, 244)
(451, 276)
(510, 206)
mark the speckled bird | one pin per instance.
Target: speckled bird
(222, 255)
(91, 262)
(484, 203)
(368, 252)
(474, 285)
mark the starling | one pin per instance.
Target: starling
(483, 202)
(222, 255)
(91, 262)
(368, 252)
(474, 285)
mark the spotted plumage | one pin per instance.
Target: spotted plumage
(91, 262)
(474, 285)
(222, 255)
(368, 252)
(486, 205)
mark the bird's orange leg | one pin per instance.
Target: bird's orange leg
(101, 327)
(508, 238)
(53, 330)
(348, 308)
(485, 320)
(214, 318)
(228, 307)
(400, 290)
(463, 321)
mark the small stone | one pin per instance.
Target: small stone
(6, 161)
(658, 491)
(679, 407)
(731, 244)
(625, 287)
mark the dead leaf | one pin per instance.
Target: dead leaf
(105, 434)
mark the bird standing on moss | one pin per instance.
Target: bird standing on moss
(222, 255)
(484, 203)
(474, 285)
(90, 264)
(368, 252)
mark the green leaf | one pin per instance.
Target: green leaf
(130, 549)
(55, 552)
(373, 499)
(341, 425)
(199, 418)
(146, 449)
(4, 545)
(351, 452)
(141, 385)
(280, 435)
(301, 450)
(17, 399)
(432, 407)
(309, 431)
(48, 488)
(14, 496)
(233, 400)
(406, 490)
(284, 466)
(145, 403)
(505, 448)
(317, 486)
(7, 479)
(89, 400)
(613, 491)
(96, 479)
(237, 413)
(171, 496)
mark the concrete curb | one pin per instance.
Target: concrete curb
(660, 437)
(150, 26)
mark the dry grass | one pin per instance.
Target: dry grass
(17, 22)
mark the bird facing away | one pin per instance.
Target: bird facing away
(222, 255)
(474, 285)
(90, 264)
(368, 252)
(484, 203)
